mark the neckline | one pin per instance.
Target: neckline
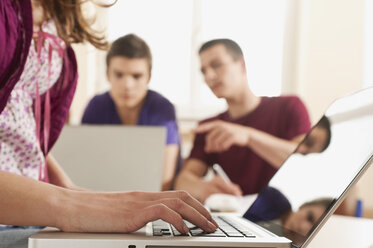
(245, 116)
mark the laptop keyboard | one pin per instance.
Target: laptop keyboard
(227, 228)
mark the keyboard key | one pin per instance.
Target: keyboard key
(177, 233)
(217, 233)
(200, 232)
(226, 228)
(161, 228)
(189, 225)
(211, 235)
(237, 234)
(233, 229)
(248, 234)
(196, 231)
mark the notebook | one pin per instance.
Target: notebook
(289, 211)
(112, 157)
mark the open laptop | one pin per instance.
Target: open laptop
(307, 176)
(112, 157)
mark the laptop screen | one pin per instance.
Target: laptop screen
(315, 176)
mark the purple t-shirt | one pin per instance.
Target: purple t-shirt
(285, 117)
(156, 111)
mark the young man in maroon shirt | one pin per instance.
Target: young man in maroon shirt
(251, 140)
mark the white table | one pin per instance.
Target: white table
(344, 232)
(338, 231)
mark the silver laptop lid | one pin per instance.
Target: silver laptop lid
(112, 157)
(315, 178)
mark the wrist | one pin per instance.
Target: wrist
(248, 136)
(58, 203)
(66, 207)
(203, 191)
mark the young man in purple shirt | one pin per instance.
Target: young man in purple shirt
(251, 140)
(130, 102)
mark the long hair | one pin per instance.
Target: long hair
(71, 24)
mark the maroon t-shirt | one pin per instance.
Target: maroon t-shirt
(285, 117)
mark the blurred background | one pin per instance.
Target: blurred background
(316, 49)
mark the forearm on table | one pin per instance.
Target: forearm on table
(272, 149)
(25, 201)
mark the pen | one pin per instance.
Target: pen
(220, 172)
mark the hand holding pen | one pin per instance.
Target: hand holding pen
(220, 172)
(220, 184)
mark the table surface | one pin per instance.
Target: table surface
(338, 231)
(346, 232)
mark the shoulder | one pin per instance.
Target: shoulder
(101, 103)
(285, 99)
(100, 99)
(157, 109)
(14, 43)
(294, 115)
(288, 103)
(154, 97)
(158, 103)
(291, 99)
(98, 108)
(294, 103)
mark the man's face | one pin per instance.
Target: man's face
(223, 74)
(314, 142)
(304, 219)
(129, 80)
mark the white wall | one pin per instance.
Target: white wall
(327, 59)
(324, 56)
(323, 53)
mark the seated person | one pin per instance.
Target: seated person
(130, 102)
(318, 139)
(251, 140)
(272, 205)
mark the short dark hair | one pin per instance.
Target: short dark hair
(325, 202)
(232, 47)
(130, 46)
(324, 123)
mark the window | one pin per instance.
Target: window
(166, 26)
(258, 27)
(174, 31)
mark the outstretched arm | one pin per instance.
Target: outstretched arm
(24, 201)
(272, 149)
(222, 135)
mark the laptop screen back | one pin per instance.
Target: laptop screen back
(316, 175)
(112, 157)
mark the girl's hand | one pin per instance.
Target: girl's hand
(129, 211)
